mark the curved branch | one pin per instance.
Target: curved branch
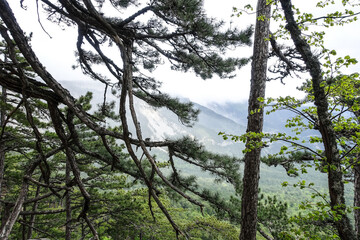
(127, 78)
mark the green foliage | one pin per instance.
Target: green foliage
(178, 32)
(120, 206)
(305, 149)
(274, 216)
(252, 137)
(222, 167)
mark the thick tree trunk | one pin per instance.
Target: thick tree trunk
(335, 174)
(255, 124)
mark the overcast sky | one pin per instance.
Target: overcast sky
(57, 54)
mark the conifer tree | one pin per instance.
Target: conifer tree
(255, 123)
(177, 31)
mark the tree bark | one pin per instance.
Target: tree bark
(68, 204)
(23, 226)
(3, 210)
(13, 217)
(357, 198)
(335, 174)
(255, 123)
(33, 217)
(2, 148)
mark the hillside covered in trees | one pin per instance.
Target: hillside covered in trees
(96, 166)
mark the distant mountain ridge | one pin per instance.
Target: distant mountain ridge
(160, 123)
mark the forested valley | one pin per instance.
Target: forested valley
(116, 157)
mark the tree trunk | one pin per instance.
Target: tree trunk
(24, 226)
(68, 204)
(5, 213)
(357, 199)
(255, 124)
(33, 216)
(13, 216)
(335, 174)
(7, 227)
(2, 148)
(3, 210)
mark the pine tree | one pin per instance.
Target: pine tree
(255, 123)
(176, 31)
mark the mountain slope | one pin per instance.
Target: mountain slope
(160, 123)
